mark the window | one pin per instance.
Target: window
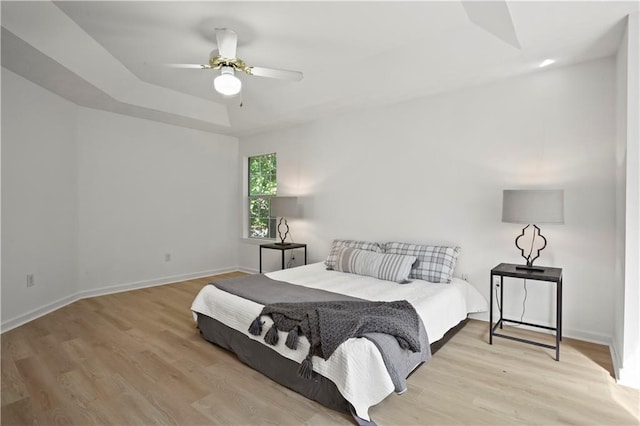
(262, 186)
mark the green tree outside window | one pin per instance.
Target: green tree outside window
(262, 186)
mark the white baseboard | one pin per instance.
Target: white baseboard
(586, 336)
(629, 377)
(615, 360)
(118, 288)
(37, 313)
(627, 372)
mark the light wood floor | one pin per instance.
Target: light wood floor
(137, 358)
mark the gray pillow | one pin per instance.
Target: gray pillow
(389, 267)
(435, 263)
(362, 245)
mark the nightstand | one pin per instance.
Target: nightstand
(283, 248)
(543, 273)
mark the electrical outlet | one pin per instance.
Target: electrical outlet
(496, 282)
(465, 276)
(292, 261)
(31, 280)
(167, 257)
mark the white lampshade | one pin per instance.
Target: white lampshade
(533, 206)
(227, 83)
(284, 207)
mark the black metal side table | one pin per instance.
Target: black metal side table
(283, 248)
(542, 273)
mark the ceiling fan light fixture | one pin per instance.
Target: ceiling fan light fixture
(226, 83)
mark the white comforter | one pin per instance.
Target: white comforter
(356, 367)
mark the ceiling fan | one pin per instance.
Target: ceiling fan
(225, 60)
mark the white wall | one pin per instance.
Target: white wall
(627, 317)
(39, 197)
(92, 201)
(0, 205)
(147, 189)
(621, 182)
(433, 170)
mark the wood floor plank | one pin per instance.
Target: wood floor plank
(12, 387)
(40, 383)
(16, 345)
(137, 358)
(19, 412)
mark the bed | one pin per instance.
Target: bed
(354, 378)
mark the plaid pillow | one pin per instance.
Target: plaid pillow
(435, 263)
(384, 266)
(362, 245)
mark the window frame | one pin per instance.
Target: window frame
(271, 230)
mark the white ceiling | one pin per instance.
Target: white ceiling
(109, 54)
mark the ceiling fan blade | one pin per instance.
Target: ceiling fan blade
(275, 73)
(227, 42)
(194, 66)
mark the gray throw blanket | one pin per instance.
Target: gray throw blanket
(266, 291)
(327, 324)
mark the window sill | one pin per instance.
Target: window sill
(257, 241)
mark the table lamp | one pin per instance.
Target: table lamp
(284, 207)
(532, 207)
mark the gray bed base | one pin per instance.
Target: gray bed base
(285, 371)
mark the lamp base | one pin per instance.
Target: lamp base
(529, 268)
(282, 243)
(535, 231)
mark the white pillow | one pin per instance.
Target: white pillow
(389, 267)
(362, 245)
